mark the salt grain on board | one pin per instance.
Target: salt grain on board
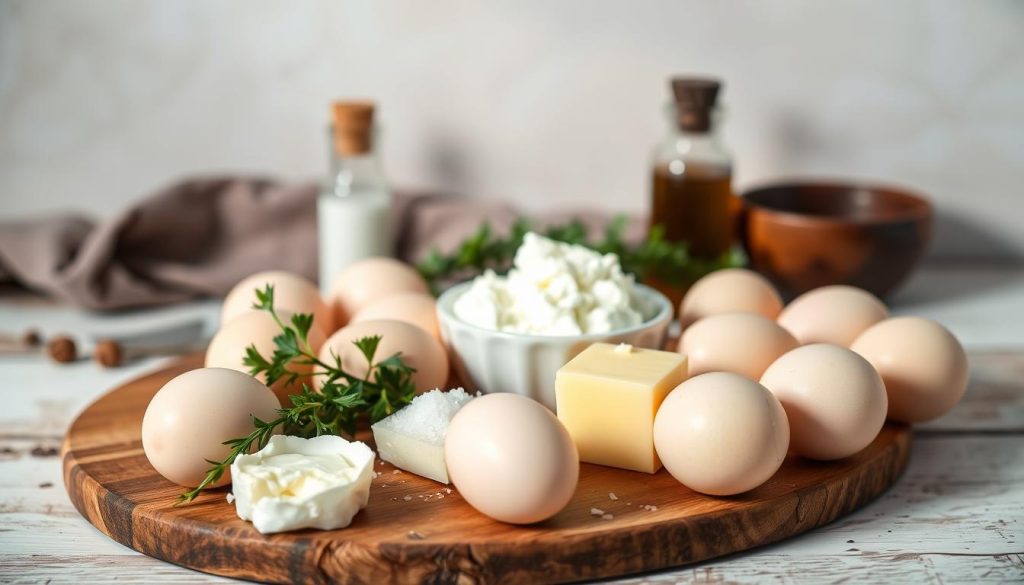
(612, 496)
(596, 512)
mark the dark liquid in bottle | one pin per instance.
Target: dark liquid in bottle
(695, 207)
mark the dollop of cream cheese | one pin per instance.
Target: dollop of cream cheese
(553, 288)
(295, 483)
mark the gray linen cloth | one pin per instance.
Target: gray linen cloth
(198, 237)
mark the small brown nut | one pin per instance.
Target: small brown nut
(31, 338)
(108, 353)
(62, 349)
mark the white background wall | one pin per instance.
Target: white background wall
(551, 103)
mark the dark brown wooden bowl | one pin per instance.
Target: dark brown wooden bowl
(802, 235)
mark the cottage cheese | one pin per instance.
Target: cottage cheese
(553, 289)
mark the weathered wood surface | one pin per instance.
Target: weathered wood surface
(655, 522)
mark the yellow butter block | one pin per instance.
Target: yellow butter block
(607, 397)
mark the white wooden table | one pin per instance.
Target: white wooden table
(956, 515)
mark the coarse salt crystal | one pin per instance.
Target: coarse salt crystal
(607, 516)
(413, 438)
(612, 496)
(596, 512)
(407, 498)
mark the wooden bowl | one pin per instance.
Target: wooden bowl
(802, 235)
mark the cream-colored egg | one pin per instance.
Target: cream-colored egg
(370, 280)
(733, 290)
(834, 399)
(923, 366)
(191, 416)
(743, 343)
(414, 308)
(228, 347)
(511, 459)
(832, 314)
(418, 348)
(292, 294)
(721, 434)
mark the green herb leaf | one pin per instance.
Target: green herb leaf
(368, 347)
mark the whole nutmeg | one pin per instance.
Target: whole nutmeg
(31, 338)
(62, 349)
(108, 353)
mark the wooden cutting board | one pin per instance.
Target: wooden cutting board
(415, 531)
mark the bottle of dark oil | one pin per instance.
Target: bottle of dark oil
(691, 187)
(694, 207)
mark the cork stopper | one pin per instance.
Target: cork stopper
(352, 124)
(695, 102)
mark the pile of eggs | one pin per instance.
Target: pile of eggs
(818, 377)
(376, 296)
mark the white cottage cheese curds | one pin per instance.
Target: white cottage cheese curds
(553, 288)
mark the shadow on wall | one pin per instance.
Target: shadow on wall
(958, 239)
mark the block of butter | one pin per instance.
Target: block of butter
(607, 397)
(296, 483)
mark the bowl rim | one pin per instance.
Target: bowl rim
(924, 210)
(446, 302)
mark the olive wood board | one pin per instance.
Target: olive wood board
(414, 530)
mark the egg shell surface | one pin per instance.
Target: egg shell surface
(370, 280)
(418, 348)
(834, 399)
(832, 314)
(228, 347)
(511, 459)
(742, 343)
(721, 434)
(191, 416)
(292, 293)
(414, 308)
(732, 290)
(924, 367)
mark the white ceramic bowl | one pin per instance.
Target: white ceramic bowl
(497, 361)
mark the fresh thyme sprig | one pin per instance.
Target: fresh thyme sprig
(654, 257)
(335, 409)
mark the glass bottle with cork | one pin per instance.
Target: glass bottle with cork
(354, 208)
(691, 195)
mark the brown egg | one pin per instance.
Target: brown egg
(721, 434)
(370, 280)
(419, 350)
(733, 290)
(923, 366)
(292, 293)
(834, 399)
(742, 343)
(511, 459)
(832, 314)
(227, 348)
(414, 308)
(191, 416)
